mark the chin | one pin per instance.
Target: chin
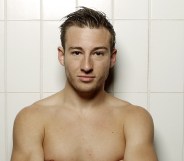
(88, 88)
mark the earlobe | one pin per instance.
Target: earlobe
(113, 58)
(61, 55)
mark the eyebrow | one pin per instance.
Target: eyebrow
(96, 48)
(78, 48)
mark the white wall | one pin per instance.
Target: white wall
(149, 70)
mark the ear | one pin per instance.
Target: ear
(61, 55)
(113, 58)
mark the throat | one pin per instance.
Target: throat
(84, 99)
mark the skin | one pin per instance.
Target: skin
(83, 122)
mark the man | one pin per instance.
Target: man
(83, 122)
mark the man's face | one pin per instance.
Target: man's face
(87, 58)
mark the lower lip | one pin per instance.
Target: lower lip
(86, 79)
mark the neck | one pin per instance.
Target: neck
(83, 99)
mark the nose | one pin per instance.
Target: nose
(87, 65)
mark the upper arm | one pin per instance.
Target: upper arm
(27, 136)
(139, 134)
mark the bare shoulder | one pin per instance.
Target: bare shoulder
(49, 101)
(138, 131)
(128, 109)
(131, 112)
(138, 124)
(134, 118)
(28, 117)
(38, 111)
(30, 123)
(28, 132)
(137, 113)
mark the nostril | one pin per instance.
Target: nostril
(87, 70)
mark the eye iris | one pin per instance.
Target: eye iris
(76, 53)
(98, 53)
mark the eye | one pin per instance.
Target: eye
(99, 53)
(76, 53)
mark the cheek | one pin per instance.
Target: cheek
(70, 68)
(71, 64)
(103, 68)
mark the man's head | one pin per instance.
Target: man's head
(86, 17)
(88, 50)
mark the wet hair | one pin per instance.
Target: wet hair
(86, 17)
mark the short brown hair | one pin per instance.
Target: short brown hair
(90, 18)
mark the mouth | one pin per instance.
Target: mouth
(86, 78)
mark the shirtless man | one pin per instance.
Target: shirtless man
(83, 122)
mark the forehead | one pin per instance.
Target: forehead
(77, 36)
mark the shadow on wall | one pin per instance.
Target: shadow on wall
(109, 81)
(159, 147)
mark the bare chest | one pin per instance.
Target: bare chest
(80, 140)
